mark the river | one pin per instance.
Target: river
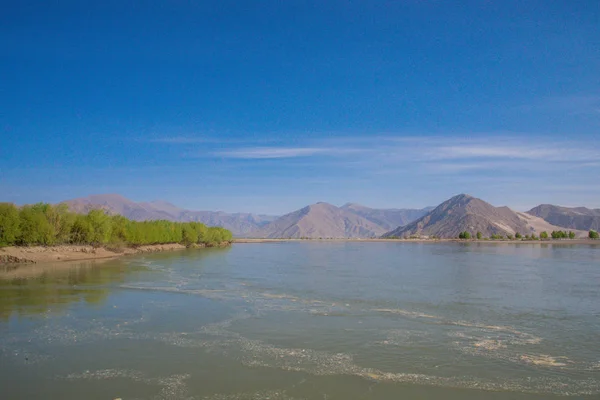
(307, 320)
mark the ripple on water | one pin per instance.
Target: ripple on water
(474, 338)
(261, 395)
(172, 387)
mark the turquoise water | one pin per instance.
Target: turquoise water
(307, 320)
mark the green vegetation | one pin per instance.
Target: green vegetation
(518, 235)
(45, 224)
(464, 235)
(559, 235)
(10, 228)
(593, 235)
(479, 235)
(544, 235)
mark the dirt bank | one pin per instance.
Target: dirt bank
(40, 254)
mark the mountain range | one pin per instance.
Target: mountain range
(322, 220)
(467, 213)
(313, 221)
(239, 224)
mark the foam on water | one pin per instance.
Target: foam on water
(473, 338)
(262, 395)
(173, 387)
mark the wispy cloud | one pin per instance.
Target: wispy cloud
(280, 152)
(491, 151)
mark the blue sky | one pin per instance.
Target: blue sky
(268, 106)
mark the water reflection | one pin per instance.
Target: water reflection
(28, 290)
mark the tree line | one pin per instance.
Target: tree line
(543, 235)
(45, 224)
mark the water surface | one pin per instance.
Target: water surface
(307, 320)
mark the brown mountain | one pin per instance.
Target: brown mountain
(321, 220)
(572, 218)
(465, 213)
(117, 204)
(239, 224)
(387, 218)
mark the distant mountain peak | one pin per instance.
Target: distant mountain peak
(464, 212)
(328, 221)
(462, 196)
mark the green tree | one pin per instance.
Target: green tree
(189, 235)
(10, 225)
(35, 228)
(571, 235)
(518, 235)
(593, 234)
(101, 227)
(544, 235)
(81, 231)
(44, 224)
(479, 235)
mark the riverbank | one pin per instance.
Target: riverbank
(546, 241)
(41, 254)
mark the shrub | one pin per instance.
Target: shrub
(44, 224)
(10, 224)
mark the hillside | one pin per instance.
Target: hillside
(572, 218)
(538, 225)
(464, 213)
(320, 220)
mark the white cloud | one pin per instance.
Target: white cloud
(490, 151)
(272, 152)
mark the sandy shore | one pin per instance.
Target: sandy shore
(538, 242)
(40, 254)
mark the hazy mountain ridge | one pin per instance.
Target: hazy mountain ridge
(390, 218)
(323, 220)
(581, 218)
(238, 223)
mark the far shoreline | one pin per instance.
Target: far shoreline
(382, 240)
